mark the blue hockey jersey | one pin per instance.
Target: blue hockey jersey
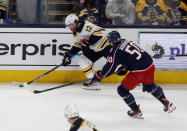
(127, 54)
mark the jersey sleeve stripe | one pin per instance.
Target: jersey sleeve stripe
(113, 61)
(103, 41)
(83, 123)
(77, 44)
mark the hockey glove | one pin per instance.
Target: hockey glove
(97, 77)
(66, 61)
(122, 71)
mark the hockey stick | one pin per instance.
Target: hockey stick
(37, 78)
(162, 56)
(174, 55)
(53, 88)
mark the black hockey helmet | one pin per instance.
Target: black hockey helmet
(114, 37)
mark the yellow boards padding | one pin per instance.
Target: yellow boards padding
(171, 77)
(161, 77)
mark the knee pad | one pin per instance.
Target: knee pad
(122, 91)
(149, 87)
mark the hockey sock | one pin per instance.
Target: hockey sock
(127, 97)
(86, 66)
(158, 93)
(88, 71)
(130, 101)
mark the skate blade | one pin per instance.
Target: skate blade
(138, 117)
(171, 110)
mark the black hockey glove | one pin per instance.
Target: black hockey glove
(122, 71)
(66, 61)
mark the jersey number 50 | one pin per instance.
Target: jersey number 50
(131, 48)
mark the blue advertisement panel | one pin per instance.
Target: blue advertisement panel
(168, 50)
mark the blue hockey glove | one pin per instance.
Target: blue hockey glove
(97, 77)
(95, 80)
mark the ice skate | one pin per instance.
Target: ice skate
(91, 85)
(168, 106)
(135, 113)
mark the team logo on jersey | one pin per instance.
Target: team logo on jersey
(158, 51)
(109, 59)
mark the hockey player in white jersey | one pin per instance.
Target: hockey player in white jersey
(91, 40)
(77, 123)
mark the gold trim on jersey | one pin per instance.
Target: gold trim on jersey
(98, 31)
(83, 123)
(103, 42)
(81, 13)
(3, 4)
(75, 34)
(183, 5)
(2, 8)
(77, 44)
(96, 11)
(106, 44)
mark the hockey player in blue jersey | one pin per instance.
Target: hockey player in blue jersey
(140, 65)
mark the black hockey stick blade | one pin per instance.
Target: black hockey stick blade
(36, 91)
(53, 88)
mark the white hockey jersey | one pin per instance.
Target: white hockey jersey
(96, 36)
(82, 125)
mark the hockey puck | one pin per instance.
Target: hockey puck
(20, 85)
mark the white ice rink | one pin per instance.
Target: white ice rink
(22, 110)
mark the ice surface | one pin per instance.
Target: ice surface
(22, 110)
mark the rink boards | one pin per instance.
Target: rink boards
(28, 53)
(164, 77)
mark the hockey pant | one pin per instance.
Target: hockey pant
(94, 56)
(85, 65)
(89, 57)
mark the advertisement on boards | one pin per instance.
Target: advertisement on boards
(37, 51)
(31, 50)
(168, 50)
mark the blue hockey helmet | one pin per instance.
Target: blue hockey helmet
(114, 37)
